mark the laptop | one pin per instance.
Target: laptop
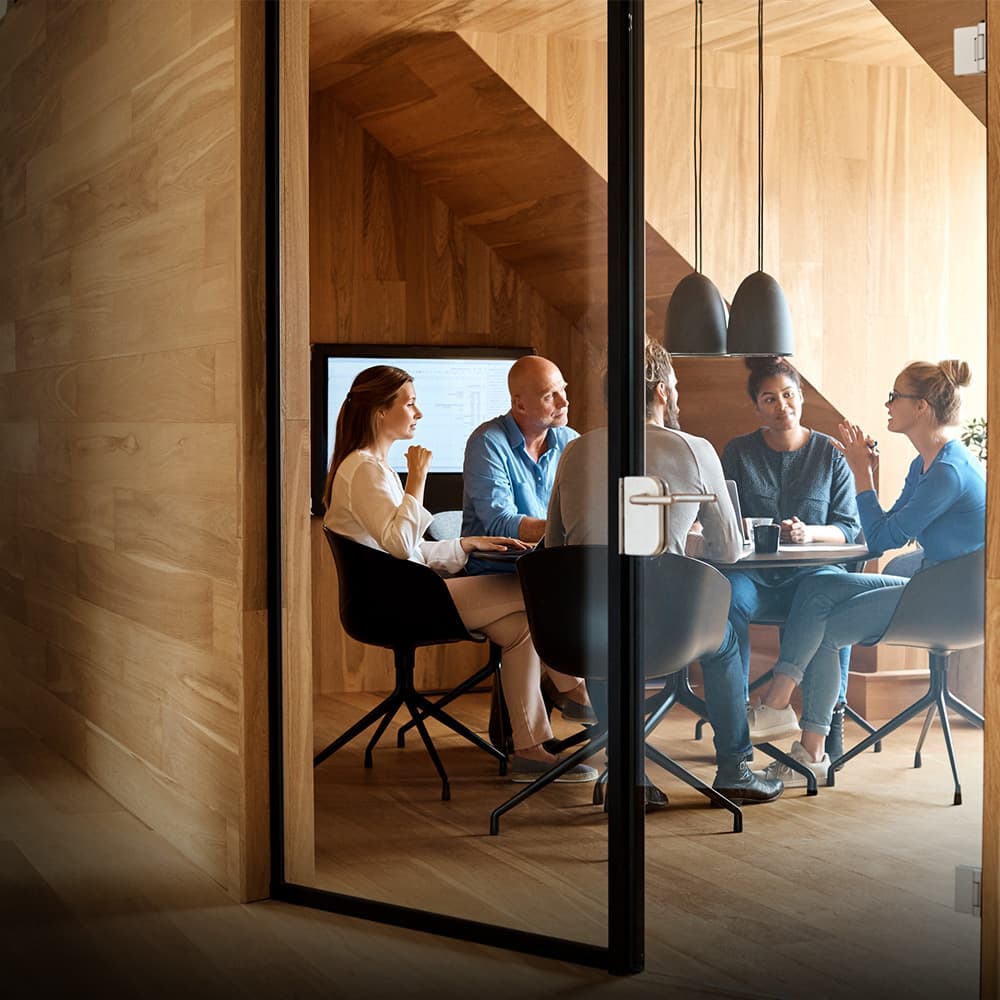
(734, 496)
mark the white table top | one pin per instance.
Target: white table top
(812, 554)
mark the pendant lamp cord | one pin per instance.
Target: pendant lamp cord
(760, 135)
(697, 117)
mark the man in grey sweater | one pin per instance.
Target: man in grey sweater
(578, 516)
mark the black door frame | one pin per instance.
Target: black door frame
(624, 953)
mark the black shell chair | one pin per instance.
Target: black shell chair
(565, 596)
(942, 610)
(369, 579)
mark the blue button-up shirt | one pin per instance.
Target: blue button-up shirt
(502, 483)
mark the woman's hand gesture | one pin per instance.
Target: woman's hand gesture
(492, 543)
(418, 460)
(861, 453)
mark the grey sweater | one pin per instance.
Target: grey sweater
(813, 484)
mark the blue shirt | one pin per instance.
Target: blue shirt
(944, 508)
(502, 483)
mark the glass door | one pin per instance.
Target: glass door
(461, 204)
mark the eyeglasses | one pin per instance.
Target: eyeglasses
(893, 396)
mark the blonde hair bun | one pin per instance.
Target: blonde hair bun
(957, 372)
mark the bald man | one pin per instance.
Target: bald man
(510, 461)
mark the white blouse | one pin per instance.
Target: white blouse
(368, 504)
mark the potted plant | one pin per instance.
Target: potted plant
(974, 437)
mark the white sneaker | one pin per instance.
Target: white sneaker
(792, 779)
(768, 724)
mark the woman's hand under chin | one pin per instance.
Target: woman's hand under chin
(492, 543)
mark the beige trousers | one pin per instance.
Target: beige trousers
(493, 605)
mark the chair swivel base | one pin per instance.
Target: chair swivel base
(435, 711)
(938, 699)
(588, 750)
(420, 707)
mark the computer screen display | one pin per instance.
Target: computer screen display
(457, 388)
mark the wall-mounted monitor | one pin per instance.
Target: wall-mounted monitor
(458, 388)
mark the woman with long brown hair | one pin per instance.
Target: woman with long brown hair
(365, 500)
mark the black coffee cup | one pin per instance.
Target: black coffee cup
(765, 537)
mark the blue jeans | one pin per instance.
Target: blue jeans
(828, 614)
(770, 593)
(722, 675)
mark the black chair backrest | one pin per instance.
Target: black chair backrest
(565, 596)
(942, 607)
(390, 602)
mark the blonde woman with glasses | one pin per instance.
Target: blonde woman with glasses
(942, 506)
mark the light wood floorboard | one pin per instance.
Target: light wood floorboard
(832, 896)
(93, 903)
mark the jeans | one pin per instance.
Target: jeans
(722, 675)
(828, 614)
(770, 593)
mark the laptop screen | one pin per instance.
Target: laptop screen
(734, 495)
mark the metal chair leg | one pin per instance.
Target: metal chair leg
(967, 713)
(890, 727)
(484, 673)
(946, 730)
(928, 718)
(546, 779)
(431, 710)
(390, 703)
(716, 797)
(863, 723)
(772, 751)
(383, 726)
(414, 706)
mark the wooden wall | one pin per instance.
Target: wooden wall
(874, 215)
(875, 187)
(390, 264)
(131, 598)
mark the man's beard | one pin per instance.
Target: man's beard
(672, 418)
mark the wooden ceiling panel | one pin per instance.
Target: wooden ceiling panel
(929, 28)
(444, 115)
(845, 30)
(399, 68)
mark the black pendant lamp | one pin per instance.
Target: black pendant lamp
(759, 320)
(696, 314)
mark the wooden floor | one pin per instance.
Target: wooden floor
(831, 896)
(93, 903)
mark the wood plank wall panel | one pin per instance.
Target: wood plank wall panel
(297, 692)
(874, 194)
(391, 264)
(990, 965)
(252, 863)
(122, 341)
